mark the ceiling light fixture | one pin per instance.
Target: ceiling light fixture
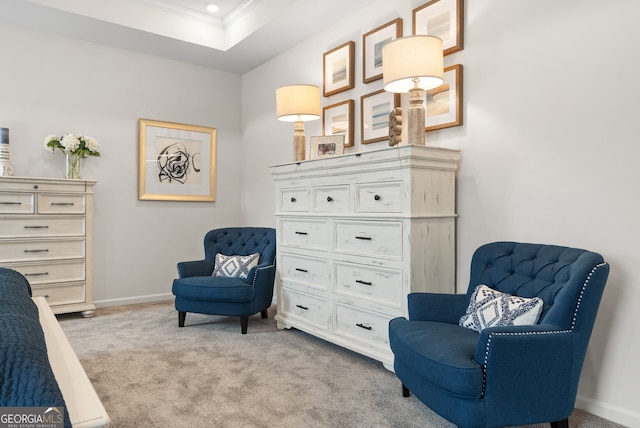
(212, 8)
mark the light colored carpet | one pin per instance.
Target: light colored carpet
(150, 373)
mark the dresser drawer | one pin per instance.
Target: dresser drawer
(379, 197)
(60, 204)
(19, 251)
(331, 199)
(307, 270)
(47, 272)
(31, 226)
(312, 234)
(309, 309)
(61, 294)
(371, 283)
(367, 327)
(369, 238)
(17, 203)
(294, 200)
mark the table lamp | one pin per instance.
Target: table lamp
(413, 64)
(299, 104)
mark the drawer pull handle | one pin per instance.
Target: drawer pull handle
(301, 233)
(359, 281)
(37, 251)
(377, 197)
(365, 238)
(329, 199)
(302, 307)
(64, 204)
(36, 227)
(366, 327)
(10, 203)
(293, 200)
(301, 270)
(37, 274)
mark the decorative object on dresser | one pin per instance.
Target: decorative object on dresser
(356, 234)
(299, 104)
(177, 162)
(326, 145)
(46, 234)
(413, 64)
(6, 169)
(75, 149)
(395, 126)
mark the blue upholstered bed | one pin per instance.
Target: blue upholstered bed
(26, 377)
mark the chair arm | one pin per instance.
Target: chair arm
(195, 268)
(437, 307)
(262, 278)
(529, 364)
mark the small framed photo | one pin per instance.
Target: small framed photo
(444, 103)
(441, 18)
(326, 146)
(177, 162)
(375, 109)
(372, 44)
(338, 69)
(337, 119)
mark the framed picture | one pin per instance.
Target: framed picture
(372, 44)
(325, 146)
(337, 119)
(444, 103)
(338, 69)
(441, 18)
(176, 162)
(375, 109)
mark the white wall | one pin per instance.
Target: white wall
(549, 147)
(51, 85)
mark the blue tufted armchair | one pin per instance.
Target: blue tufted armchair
(504, 375)
(196, 290)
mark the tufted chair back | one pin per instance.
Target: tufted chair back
(555, 274)
(241, 241)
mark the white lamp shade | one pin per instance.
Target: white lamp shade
(409, 58)
(298, 103)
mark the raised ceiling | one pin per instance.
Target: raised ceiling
(242, 35)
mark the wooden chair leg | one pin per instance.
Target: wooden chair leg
(560, 424)
(181, 318)
(264, 314)
(244, 322)
(405, 391)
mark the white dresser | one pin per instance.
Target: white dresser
(46, 230)
(356, 234)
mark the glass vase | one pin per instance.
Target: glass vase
(73, 166)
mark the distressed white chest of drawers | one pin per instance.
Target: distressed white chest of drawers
(356, 234)
(46, 228)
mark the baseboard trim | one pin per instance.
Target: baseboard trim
(133, 300)
(608, 411)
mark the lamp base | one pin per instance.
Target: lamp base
(415, 118)
(299, 142)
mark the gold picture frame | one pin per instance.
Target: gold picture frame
(444, 103)
(177, 162)
(338, 69)
(372, 43)
(444, 19)
(374, 111)
(337, 119)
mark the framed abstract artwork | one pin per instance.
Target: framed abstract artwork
(444, 103)
(337, 119)
(177, 162)
(441, 18)
(372, 43)
(338, 69)
(374, 110)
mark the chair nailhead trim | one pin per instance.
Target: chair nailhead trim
(530, 333)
